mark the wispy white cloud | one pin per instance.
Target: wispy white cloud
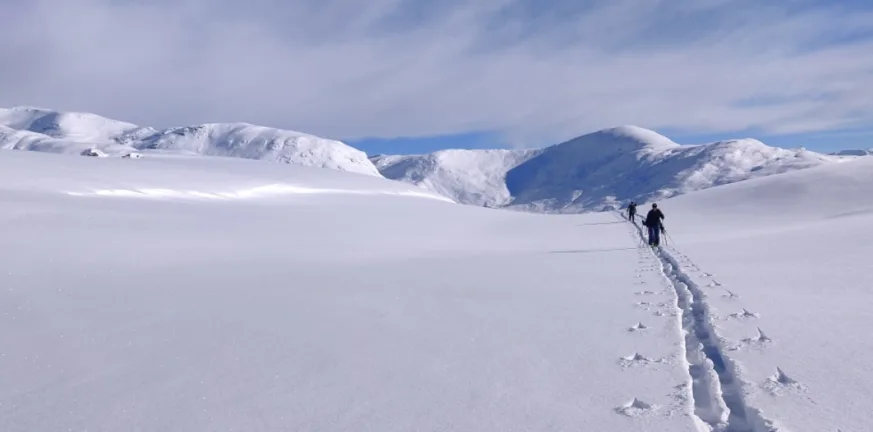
(536, 71)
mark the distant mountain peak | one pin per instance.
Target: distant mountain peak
(42, 129)
(250, 141)
(79, 126)
(634, 132)
(595, 171)
(620, 139)
(868, 152)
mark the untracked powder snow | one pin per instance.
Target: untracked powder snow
(188, 293)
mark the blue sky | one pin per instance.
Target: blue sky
(824, 141)
(410, 76)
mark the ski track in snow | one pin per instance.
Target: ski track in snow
(717, 395)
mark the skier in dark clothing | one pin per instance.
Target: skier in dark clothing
(653, 223)
(632, 211)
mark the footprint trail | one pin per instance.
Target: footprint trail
(716, 392)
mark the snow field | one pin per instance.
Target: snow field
(353, 302)
(318, 311)
(782, 266)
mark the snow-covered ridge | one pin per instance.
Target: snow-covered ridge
(74, 126)
(249, 141)
(868, 152)
(37, 129)
(12, 139)
(597, 171)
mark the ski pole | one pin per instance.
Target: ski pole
(668, 236)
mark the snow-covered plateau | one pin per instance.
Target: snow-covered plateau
(189, 293)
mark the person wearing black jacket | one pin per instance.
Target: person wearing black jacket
(653, 223)
(632, 211)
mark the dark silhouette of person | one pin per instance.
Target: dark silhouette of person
(653, 223)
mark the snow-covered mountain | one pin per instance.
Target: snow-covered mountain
(596, 171)
(69, 126)
(248, 141)
(466, 176)
(12, 139)
(868, 152)
(27, 128)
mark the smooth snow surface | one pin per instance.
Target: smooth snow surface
(188, 293)
(597, 171)
(318, 311)
(26, 128)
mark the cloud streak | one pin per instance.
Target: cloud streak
(534, 71)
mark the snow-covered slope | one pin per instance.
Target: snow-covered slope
(592, 171)
(46, 130)
(466, 176)
(781, 267)
(192, 294)
(597, 171)
(255, 142)
(189, 293)
(70, 126)
(11, 139)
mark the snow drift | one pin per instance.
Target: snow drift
(38, 129)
